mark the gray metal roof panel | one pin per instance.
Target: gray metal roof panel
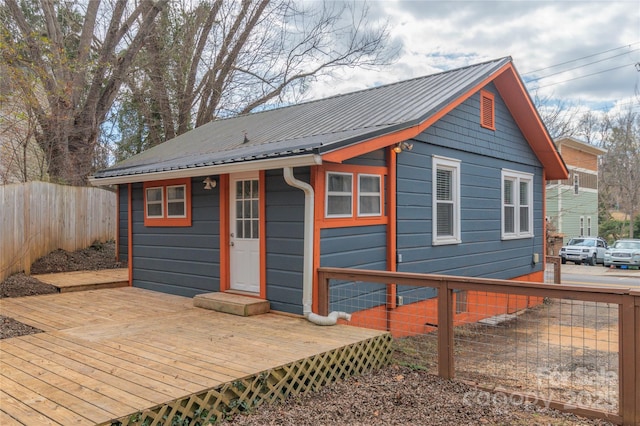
(316, 126)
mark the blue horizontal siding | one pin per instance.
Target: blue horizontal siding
(179, 260)
(123, 227)
(362, 247)
(285, 241)
(483, 153)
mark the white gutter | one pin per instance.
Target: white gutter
(307, 271)
(239, 167)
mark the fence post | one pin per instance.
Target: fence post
(628, 356)
(445, 331)
(556, 262)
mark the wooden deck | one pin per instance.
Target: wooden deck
(86, 280)
(109, 354)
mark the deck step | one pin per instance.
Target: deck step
(86, 280)
(232, 304)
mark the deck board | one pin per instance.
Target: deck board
(86, 280)
(14, 411)
(107, 354)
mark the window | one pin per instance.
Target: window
(517, 205)
(155, 202)
(589, 226)
(353, 192)
(339, 194)
(446, 201)
(369, 193)
(167, 203)
(576, 183)
(487, 110)
(581, 226)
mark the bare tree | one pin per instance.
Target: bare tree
(221, 58)
(558, 117)
(69, 59)
(620, 166)
(21, 159)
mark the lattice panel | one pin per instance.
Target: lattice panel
(242, 395)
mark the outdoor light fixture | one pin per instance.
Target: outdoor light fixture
(402, 146)
(209, 183)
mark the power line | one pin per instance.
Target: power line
(582, 66)
(586, 75)
(583, 57)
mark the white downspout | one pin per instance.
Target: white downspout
(307, 271)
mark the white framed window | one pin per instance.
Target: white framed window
(369, 195)
(588, 226)
(155, 202)
(446, 201)
(339, 195)
(582, 226)
(576, 184)
(517, 204)
(167, 202)
(176, 201)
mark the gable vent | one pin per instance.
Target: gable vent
(487, 110)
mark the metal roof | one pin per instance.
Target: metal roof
(314, 127)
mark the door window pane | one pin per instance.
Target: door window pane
(247, 209)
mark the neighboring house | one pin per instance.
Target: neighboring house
(572, 203)
(440, 174)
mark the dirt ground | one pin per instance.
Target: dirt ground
(402, 393)
(98, 256)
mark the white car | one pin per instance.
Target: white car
(584, 250)
(623, 253)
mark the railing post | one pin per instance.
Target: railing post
(629, 357)
(556, 262)
(323, 294)
(445, 331)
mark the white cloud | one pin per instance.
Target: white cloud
(441, 35)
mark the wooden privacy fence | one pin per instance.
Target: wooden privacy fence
(571, 348)
(38, 217)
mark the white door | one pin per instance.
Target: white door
(244, 232)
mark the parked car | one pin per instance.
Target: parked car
(584, 250)
(623, 253)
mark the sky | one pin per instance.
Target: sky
(582, 54)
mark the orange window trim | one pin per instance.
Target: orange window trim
(487, 110)
(164, 220)
(354, 219)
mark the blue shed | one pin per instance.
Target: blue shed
(440, 174)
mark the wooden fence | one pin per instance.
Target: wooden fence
(37, 218)
(591, 360)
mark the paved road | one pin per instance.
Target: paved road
(600, 276)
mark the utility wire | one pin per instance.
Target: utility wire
(584, 57)
(586, 75)
(581, 66)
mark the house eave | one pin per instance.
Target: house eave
(239, 167)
